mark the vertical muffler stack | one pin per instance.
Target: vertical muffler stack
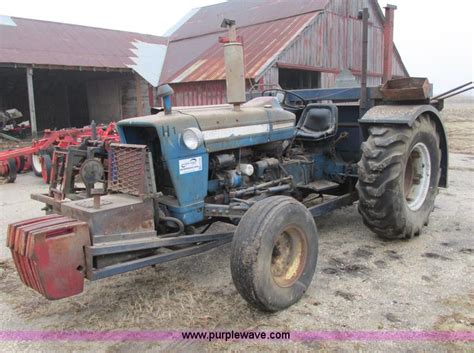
(49, 254)
(388, 42)
(234, 66)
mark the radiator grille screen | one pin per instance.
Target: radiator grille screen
(127, 169)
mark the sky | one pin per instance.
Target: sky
(435, 38)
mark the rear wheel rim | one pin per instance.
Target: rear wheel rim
(417, 176)
(289, 255)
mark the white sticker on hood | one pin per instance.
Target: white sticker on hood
(190, 165)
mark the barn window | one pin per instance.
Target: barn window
(299, 79)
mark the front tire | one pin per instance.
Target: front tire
(274, 253)
(398, 178)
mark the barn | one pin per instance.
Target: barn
(295, 44)
(62, 75)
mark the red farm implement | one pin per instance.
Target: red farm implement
(38, 156)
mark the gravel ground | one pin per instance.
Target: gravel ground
(362, 283)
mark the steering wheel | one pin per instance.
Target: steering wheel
(282, 96)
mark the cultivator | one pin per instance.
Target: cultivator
(39, 155)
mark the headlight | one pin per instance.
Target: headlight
(192, 138)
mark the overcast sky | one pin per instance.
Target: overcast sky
(435, 38)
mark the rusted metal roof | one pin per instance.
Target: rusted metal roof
(262, 43)
(27, 41)
(194, 53)
(245, 12)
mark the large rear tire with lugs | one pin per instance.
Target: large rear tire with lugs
(398, 178)
(274, 253)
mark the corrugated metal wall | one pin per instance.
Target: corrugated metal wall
(199, 93)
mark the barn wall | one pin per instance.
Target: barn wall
(333, 42)
(115, 99)
(350, 8)
(329, 44)
(199, 93)
(129, 97)
(203, 92)
(398, 69)
(103, 98)
(270, 78)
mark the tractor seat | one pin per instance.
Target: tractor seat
(318, 121)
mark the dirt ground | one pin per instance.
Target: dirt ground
(361, 283)
(458, 116)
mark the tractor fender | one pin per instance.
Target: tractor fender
(406, 115)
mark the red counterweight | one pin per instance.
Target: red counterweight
(49, 254)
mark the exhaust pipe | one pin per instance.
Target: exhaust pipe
(234, 66)
(388, 42)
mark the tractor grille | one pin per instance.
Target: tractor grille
(129, 170)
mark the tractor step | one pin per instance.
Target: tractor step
(48, 254)
(320, 186)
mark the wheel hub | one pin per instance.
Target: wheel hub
(417, 176)
(36, 161)
(288, 256)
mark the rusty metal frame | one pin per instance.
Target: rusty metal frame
(198, 243)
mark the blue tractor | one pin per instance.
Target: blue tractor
(268, 165)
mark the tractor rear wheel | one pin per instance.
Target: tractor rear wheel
(274, 253)
(398, 178)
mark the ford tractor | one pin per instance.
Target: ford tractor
(269, 166)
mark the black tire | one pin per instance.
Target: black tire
(36, 164)
(46, 165)
(11, 177)
(274, 253)
(395, 200)
(20, 164)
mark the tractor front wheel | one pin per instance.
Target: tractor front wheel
(274, 253)
(398, 178)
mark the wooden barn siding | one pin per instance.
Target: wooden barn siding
(351, 8)
(333, 42)
(398, 69)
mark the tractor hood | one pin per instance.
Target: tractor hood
(258, 121)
